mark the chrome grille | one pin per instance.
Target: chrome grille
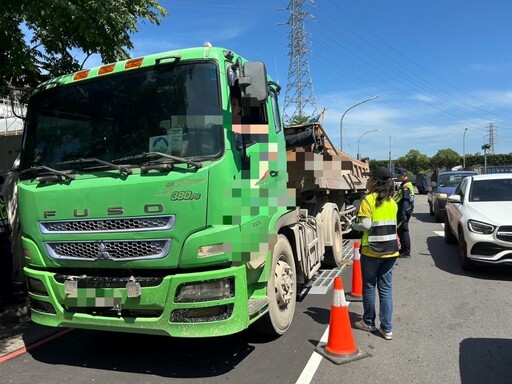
(108, 250)
(504, 233)
(127, 224)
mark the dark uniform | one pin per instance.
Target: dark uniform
(405, 200)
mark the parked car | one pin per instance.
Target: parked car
(443, 185)
(478, 216)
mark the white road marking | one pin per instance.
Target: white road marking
(312, 365)
(315, 359)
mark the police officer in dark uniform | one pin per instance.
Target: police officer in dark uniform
(404, 198)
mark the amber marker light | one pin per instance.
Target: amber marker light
(81, 75)
(133, 63)
(106, 69)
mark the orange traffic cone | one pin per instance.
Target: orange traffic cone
(340, 347)
(357, 278)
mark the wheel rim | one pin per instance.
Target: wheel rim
(284, 284)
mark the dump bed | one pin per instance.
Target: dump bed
(316, 166)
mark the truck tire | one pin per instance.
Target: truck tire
(333, 256)
(281, 290)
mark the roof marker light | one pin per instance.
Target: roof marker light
(133, 63)
(81, 75)
(106, 69)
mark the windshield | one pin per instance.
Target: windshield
(173, 109)
(452, 180)
(491, 190)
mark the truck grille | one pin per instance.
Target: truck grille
(108, 250)
(109, 225)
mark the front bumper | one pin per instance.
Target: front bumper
(488, 248)
(154, 311)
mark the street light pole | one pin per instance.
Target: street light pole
(485, 147)
(389, 153)
(359, 141)
(464, 149)
(344, 113)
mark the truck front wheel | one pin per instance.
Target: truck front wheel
(281, 290)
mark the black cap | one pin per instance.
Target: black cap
(381, 173)
(401, 171)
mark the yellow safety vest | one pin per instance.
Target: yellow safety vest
(381, 239)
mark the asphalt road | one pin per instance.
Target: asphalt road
(450, 327)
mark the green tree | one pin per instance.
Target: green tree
(445, 159)
(40, 39)
(299, 120)
(414, 161)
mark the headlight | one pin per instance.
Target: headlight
(481, 228)
(206, 290)
(441, 195)
(210, 250)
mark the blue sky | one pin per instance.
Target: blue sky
(438, 66)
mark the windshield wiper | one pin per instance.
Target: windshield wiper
(55, 174)
(120, 168)
(154, 155)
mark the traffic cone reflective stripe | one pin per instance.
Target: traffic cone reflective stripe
(340, 347)
(357, 278)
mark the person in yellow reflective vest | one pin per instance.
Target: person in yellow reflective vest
(376, 218)
(6, 291)
(404, 198)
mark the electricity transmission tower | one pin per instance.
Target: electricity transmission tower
(299, 98)
(491, 135)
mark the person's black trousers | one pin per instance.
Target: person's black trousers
(403, 234)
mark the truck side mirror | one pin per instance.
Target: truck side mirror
(254, 81)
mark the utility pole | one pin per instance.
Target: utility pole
(485, 147)
(389, 153)
(299, 90)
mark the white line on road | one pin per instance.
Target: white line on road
(312, 365)
(315, 359)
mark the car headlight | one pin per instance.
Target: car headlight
(441, 196)
(481, 228)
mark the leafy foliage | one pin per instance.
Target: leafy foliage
(40, 39)
(299, 120)
(445, 159)
(414, 161)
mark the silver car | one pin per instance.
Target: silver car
(478, 217)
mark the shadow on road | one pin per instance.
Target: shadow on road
(319, 315)
(485, 361)
(148, 354)
(423, 217)
(446, 258)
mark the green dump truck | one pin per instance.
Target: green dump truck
(145, 209)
